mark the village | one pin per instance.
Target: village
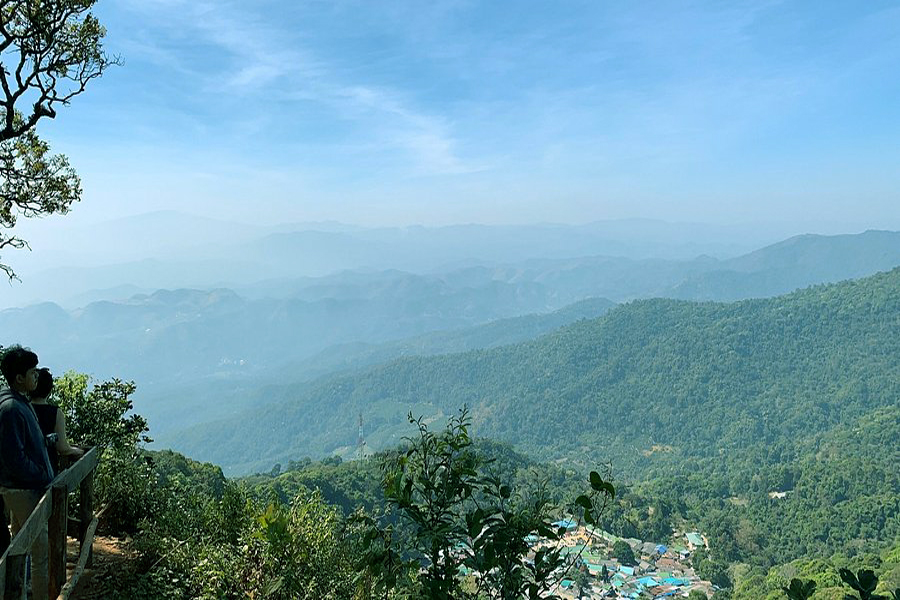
(657, 571)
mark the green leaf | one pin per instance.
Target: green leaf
(584, 502)
(274, 586)
(609, 489)
(599, 485)
(868, 581)
(849, 578)
(800, 590)
(475, 521)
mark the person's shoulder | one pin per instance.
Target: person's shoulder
(7, 396)
(8, 402)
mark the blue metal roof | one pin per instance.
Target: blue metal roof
(565, 523)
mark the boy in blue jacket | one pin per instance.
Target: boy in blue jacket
(25, 470)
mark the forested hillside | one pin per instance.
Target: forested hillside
(496, 333)
(706, 408)
(652, 383)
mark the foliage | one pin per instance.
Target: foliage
(622, 551)
(707, 408)
(197, 544)
(800, 590)
(100, 415)
(300, 553)
(582, 579)
(464, 519)
(755, 583)
(863, 583)
(350, 485)
(49, 51)
(712, 569)
(201, 536)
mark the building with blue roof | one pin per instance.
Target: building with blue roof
(565, 524)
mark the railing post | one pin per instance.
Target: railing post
(14, 586)
(86, 512)
(51, 513)
(56, 539)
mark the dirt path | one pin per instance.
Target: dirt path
(112, 559)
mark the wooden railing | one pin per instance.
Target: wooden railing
(53, 510)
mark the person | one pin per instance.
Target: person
(52, 421)
(25, 470)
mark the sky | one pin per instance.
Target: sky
(380, 112)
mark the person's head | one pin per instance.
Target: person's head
(44, 384)
(19, 368)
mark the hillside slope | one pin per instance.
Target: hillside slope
(700, 379)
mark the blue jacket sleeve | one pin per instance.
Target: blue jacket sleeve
(20, 467)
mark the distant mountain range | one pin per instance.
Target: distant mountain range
(794, 263)
(224, 344)
(172, 250)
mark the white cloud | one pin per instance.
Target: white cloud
(262, 60)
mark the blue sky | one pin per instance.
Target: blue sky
(445, 111)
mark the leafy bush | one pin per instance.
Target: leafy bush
(100, 416)
(465, 528)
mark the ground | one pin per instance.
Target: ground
(112, 558)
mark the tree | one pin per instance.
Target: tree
(697, 595)
(49, 51)
(714, 571)
(101, 415)
(582, 580)
(623, 552)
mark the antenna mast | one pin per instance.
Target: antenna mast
(360, 442)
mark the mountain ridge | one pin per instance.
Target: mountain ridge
(690, 361)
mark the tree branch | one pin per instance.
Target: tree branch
(56, 43)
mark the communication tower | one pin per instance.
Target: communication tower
(360, 442)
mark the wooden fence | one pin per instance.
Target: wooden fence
(53, 510)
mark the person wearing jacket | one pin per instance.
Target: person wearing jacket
(25, 470)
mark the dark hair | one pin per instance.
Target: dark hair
(16, 361)
(44, 385)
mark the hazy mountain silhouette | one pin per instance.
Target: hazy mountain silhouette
(169, 250)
